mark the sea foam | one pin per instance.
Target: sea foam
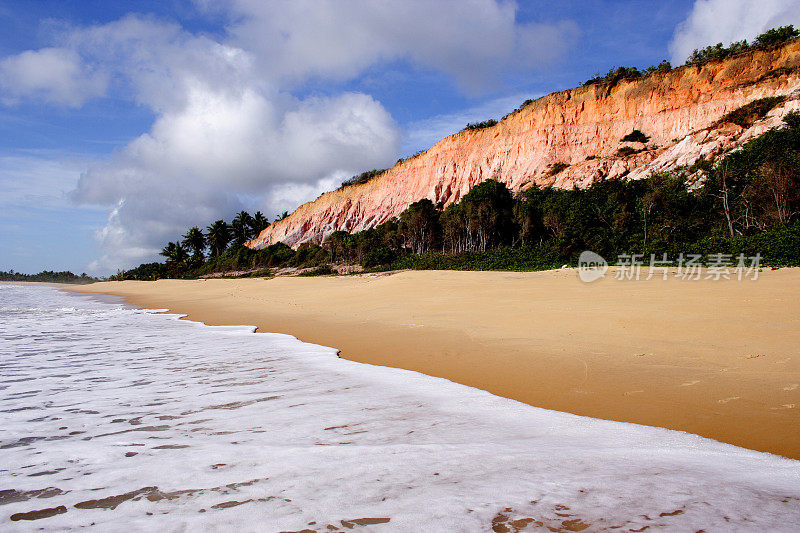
(126, 420)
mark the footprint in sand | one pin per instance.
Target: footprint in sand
(690, 383)
(791, 387)
(726, 400)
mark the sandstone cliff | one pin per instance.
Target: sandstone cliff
(582, 128)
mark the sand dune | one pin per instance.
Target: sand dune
(715, 358)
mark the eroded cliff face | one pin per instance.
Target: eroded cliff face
(582, 128)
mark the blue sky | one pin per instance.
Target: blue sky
(124, 123)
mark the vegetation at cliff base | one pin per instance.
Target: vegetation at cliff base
(48, 276)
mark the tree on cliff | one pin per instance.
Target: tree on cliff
(195, 242)
(776, 36)
(769, 38)
(218, 236)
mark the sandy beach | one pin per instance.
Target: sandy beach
(715, 358)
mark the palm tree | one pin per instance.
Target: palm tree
(195, 241)
(259, 223)
(175, 253)
(218, 236)
(241, 227)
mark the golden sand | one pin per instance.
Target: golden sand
(716, 358)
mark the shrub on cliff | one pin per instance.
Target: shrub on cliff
(618, 74)
(636, 136)
(557, 168)
(749, 114)
(364, 177)
(768, 39)
(626, 151)
(480, 125)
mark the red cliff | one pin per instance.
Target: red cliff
(582, 128)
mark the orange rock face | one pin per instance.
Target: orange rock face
(582, 128)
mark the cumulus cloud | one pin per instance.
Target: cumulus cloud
(197, 165)
(225, 137)
(472, 40)
(714, 21)
(53, 75)
(230, 131)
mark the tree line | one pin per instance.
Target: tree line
(48, 276)
(218, 236)
(701, 56)
(768, 39)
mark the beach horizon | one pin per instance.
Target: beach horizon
(716, 358)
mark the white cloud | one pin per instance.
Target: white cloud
(229, 132)
(197, 162)
(53, 75)
(714, 21)
(472, 40)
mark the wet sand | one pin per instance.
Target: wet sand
(716, 358)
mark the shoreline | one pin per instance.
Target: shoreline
(714, 358)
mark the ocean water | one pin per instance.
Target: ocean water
(120, 419)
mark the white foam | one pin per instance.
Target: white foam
(302, 436)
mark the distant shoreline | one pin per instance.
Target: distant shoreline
(715, 358)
